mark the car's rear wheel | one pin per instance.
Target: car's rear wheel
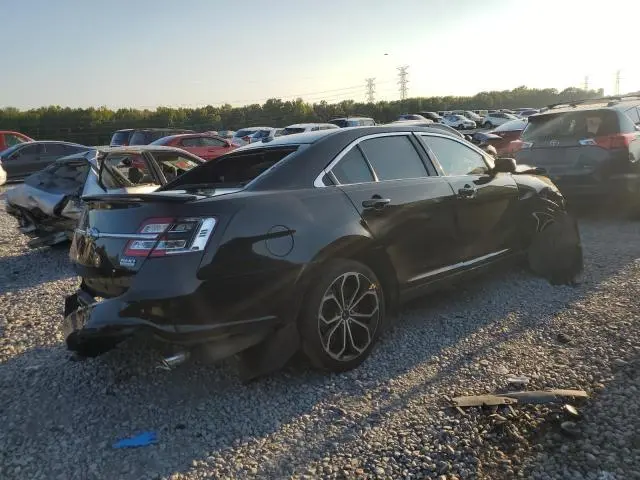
(342, 316)
(487, 125)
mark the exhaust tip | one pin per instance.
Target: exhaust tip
(171, 362)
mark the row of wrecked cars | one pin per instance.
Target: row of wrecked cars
(49, 203)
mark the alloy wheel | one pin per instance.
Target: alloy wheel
(348, 316)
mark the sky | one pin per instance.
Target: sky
(189, 53)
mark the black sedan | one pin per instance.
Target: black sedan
(307, 241)
(23, 159)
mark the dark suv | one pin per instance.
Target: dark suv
(142, 136)
(589, 148)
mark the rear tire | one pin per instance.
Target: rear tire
(342, 316)
(487, 125)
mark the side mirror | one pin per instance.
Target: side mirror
(504, 165)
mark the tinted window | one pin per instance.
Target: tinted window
(342, 123)
(292, 130)
(632, 113)
(120, 138)
(571, 125)
(138, 138)
(245, 132)
(456, 158)
(29, 150)
(352, 168)
(393, 158)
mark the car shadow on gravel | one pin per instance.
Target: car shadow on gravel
(65, 415)
(33, 268)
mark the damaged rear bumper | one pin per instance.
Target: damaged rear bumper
(93, 327)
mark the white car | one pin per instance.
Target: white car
(494, 119)
(307, 127)
(3, 175)
(252, 134)
(458, 121)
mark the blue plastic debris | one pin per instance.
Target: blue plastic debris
(142, 440)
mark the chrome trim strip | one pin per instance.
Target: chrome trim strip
(133, 236)
(456, 266)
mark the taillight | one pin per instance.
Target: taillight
(609, 142)
(158, 237)
(517, 145)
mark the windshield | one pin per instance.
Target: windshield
(10, 150)
(120, 138)
(571, 125)
(292, 130)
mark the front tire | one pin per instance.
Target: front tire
(342, 316)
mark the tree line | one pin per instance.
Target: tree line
(94, 126)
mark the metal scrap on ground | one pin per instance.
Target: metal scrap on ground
(510, 398)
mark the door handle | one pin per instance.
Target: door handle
(376, 202)
(468, 191)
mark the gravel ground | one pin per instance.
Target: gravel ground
(387, 419)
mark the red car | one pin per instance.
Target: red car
(204, 145)
(9, 139)
(501, 137)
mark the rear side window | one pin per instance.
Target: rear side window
(292, 130)
(67, 177)
(212, 142)
(341, 122)
(139, 138)
(56, 149)
(191, 142)
(456, 158)
(632, 113)
(571, 125)
(393, 158)
(353, 168)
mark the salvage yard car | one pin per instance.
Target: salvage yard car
(305, 241)
(23, 159)
(204, 145)
(49, 203)
(591, 149)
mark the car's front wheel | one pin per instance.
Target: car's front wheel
(342, 316)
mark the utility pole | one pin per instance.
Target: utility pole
(617, 90)
(403, 81)
(586, 82)
(371, 89)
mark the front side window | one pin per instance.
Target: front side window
(353, 168)
(456, 158)
(138, 138)
(191, 142)
(393, 158)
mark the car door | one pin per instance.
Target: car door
(22, 161)
(486, 203)
(407, 208)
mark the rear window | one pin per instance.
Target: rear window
(245, 132)
(341, 122)
(120, 138)
(61, 177)
(232, 170)
(571, 125)
(290, 131)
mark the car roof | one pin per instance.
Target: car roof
(191, 135)
(57, 142)
(305, 125)
(141, 148)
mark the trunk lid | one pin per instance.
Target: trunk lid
(117, 234)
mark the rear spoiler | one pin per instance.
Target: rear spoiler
(164, 197)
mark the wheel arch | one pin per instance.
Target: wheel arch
(362, 249)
